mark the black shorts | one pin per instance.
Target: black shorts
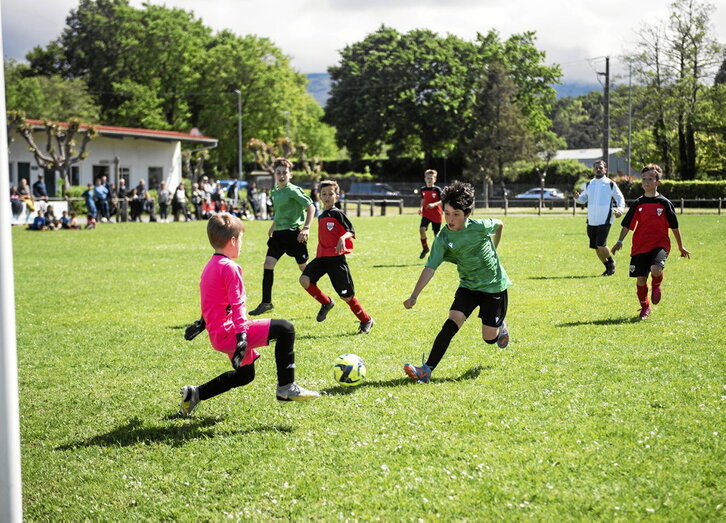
(337, 269)
(492, 306)
(598, 235)
(434, 225)
(640, 264)
(285, 242)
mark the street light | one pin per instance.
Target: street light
(240, 168)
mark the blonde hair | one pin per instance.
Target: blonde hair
(431, 171)
(653, 168)
(223, 227)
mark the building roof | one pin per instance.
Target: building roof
(132, 132)
(584, 154)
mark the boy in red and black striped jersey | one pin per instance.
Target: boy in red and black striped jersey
(335, 240)
(650, 217)
(430, 210)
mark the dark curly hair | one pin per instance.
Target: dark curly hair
(459, 195)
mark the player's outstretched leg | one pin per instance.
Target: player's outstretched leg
(420, 374)
(287, 390)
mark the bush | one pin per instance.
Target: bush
(675, 190)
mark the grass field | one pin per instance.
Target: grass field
(587, 414)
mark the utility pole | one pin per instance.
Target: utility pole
(606, 112)
(240, 167)
(630, 112)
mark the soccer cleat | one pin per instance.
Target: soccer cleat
(190, 400)
(655, 294)
(262, 307)
(421, 374)
(423, 254)
(323, 312)
(366, 326)
(644, 312)
(294, 392)
(503, 338)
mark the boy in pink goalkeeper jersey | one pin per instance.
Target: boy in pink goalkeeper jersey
(224, 311)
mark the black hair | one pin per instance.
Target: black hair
(459, 195)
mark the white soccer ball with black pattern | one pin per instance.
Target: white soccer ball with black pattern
(349, 370)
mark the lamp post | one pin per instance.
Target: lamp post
(240, 168)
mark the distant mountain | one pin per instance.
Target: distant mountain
(319, 88)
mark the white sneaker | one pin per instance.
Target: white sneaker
(294, 392)
(190, 400)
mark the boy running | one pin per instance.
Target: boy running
(430, 210)
(335, 240)
(293, 209)
(223, 301)
(650, 217)
(471, 245)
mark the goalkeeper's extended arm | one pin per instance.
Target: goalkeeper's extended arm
(195, 329)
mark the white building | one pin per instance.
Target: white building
(616, 158)
(147, 154)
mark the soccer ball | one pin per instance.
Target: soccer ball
(349, 370)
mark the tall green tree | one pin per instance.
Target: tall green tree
(47, 97)
(500, 135)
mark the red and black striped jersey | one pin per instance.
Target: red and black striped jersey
(431, 195)
(332, 224)
(650, 217)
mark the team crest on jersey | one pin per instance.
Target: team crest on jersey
(659, 211)
(330, 225)
(451, 245)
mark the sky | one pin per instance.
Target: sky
(574, 33)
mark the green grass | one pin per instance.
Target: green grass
(588, 414)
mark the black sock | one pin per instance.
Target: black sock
(284, 332)
(267, 278)
(441, 343)
(226, 381)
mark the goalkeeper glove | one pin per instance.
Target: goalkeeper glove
(239, 353)
(194, 329)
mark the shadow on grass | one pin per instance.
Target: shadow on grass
(388, 266)
(326, 336)
(470, 374)
(134, 433)
(609, 321)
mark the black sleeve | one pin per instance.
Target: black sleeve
(340, 216)
(629, 215)
(671, 214)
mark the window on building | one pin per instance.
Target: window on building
(156, 174)
(125, 174)
(75, 175)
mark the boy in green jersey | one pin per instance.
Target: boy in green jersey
(294, 211)
(471, 245)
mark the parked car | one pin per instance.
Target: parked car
(534, 194)
(377, 189)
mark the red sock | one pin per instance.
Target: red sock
(642, 294)
(657, 280)
(424, 243)
(357, 309)
(319, 295)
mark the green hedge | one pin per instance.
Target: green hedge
(675, 190)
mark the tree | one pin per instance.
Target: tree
(60, 150)
(411, 94)
(673, 61)
(501, 136)
(47, 97)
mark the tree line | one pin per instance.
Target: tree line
(486, 103)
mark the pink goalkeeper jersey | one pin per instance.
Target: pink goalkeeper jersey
(224, 308)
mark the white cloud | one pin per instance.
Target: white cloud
(313, 32)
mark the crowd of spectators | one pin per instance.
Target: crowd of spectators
(104, 202)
